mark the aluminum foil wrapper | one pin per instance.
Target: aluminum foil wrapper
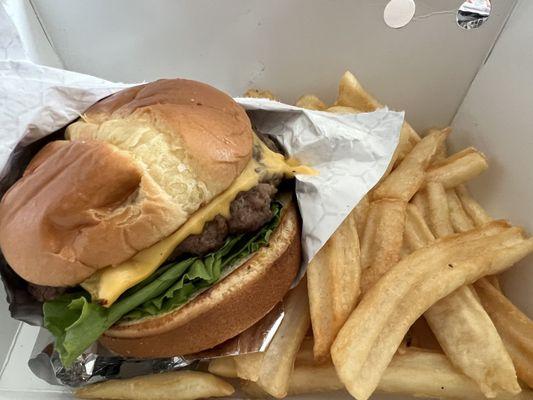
(98, 364)
(350, 153)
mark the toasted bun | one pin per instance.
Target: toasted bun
(225, 310)
(179, 129)
(138, 165)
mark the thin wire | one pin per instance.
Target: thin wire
(434, 13)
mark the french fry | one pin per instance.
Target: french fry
(314, 379)
(260, 94)
(421, 202)
(311, 102)
(383, 239)
(494, 281)
(352, 94)
(223, 366)
(429, 374)
(278, 360)
(408, 177)
(417, 234)
(471, 342)
(515, 328)
(405, 250)
(342, 110)
(368, 340)
(177, 385)
(461, 222)
(360, 214)
(333, 279)
(248, 365)
(368, 237)
(458, 168)
(442, 150)
(227, 366)
(254, 391)
(439, 214)
(415, 373)
(478, 215)
(461, 325)
(305, 355)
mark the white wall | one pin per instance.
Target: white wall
(289, 46)
(497, 116)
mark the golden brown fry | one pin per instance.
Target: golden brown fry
(442, 150)
(342, 110)
(421, 202)
(494, 281)
(177, 385)
(369, 234)
(463, 328)
(405, 250)
(417, 233)
(223, 366)
(431, 375)
(248, 365)
(478, 215)
(439, 214)
(469, 339)
(333, 281)
(361, 213)
(461, 222)
(366, 343)
(227, 366)
(415, 373)
(352, 94)
(408, 139)
(384, 239)
(515, 328)
(305, 354)
(260, 94)
(278, 360)
(408, 177)
(458, 168)
(254, 391)
(314, 379)
(311, 102)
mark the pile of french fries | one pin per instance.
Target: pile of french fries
(404, 297)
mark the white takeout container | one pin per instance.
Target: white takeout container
(478, 81)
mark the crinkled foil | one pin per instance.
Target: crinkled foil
(350, 153)
(98, 364)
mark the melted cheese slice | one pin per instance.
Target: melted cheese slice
(109, 283)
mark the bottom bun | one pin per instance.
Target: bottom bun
(225, 310)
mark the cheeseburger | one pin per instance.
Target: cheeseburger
(160, 226)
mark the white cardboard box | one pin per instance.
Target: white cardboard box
(479, 81)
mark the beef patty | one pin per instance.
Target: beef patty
(249, 211)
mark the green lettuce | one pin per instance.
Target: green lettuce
(76, 322)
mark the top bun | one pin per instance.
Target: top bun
(139, 163)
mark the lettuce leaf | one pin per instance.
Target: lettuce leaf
(76, 322)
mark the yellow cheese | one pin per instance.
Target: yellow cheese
(109, 283)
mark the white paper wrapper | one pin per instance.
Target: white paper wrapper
(350, 152)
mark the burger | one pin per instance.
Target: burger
(161, 225)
